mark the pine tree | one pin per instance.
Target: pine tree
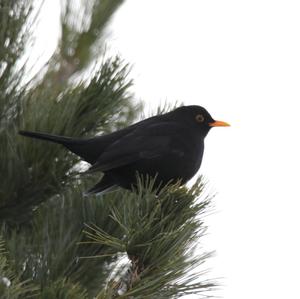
(56, 243)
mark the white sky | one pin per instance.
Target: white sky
(241, 61)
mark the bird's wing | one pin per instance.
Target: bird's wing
(145, 143)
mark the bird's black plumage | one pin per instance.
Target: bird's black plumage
(169, 146)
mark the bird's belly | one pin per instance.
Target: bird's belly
(166, 168)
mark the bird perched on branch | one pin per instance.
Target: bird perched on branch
(168, 146)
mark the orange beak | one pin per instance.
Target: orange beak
(218, 123)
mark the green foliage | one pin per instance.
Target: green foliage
(158, 236)
(11, 287)
(56, 232)
(157, 233)
(34, 170)
(14, 30)
(62, 289)
(78, 41)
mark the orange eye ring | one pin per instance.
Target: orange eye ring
(199, 118)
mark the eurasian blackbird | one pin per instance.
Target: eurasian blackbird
(168, 146)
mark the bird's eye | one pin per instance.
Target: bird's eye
(199, 118)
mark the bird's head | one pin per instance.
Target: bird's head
(199, 118)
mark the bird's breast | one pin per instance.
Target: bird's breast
(181, 160)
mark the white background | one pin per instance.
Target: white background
(241, 61)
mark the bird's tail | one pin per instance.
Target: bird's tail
(88, 149)
(53, 138)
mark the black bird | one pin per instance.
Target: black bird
(169, 146)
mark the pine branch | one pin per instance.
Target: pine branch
(37, 171)
(49, 249)
(14, 35)
(35, 174)
(97, 14)
(11, 286)
(158, 237)
(82, 42)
